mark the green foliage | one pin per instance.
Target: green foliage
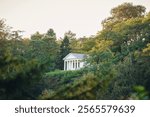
(140, 93)
(53, 81)
(22, 62)
(127, 11)
(16, 72)
(64, 74)
(64, 50)
(43, 47)
(81, 88)
(86, 44)
(128, 76)
(36, 36)
(50, 34)
(119, 57)
(146, 51)
(123, 12)
(117, 64)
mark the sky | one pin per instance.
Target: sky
(82, 17)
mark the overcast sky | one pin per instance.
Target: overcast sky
(82, 17)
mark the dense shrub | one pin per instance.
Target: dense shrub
(63, 74)
(82, 88)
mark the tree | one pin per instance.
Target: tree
(127, 29)
(71, 36)
(43, 47)
(50, 34)
(123, 12)
(128, 34)
(36, 36)
(87, 43)
(72, 40)
(64, 50)
(51, 49)
(4, 30)
(17, 72)
(127, 11)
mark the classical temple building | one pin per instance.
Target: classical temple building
(74, 61)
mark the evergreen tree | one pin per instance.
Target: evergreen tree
(64, 50)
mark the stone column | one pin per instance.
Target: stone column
(73, 64)
(77, 64)
(64, 65)
(67, 65)
(70, 65)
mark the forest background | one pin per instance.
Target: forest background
(118, 66)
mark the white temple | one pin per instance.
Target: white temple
(74, 61)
